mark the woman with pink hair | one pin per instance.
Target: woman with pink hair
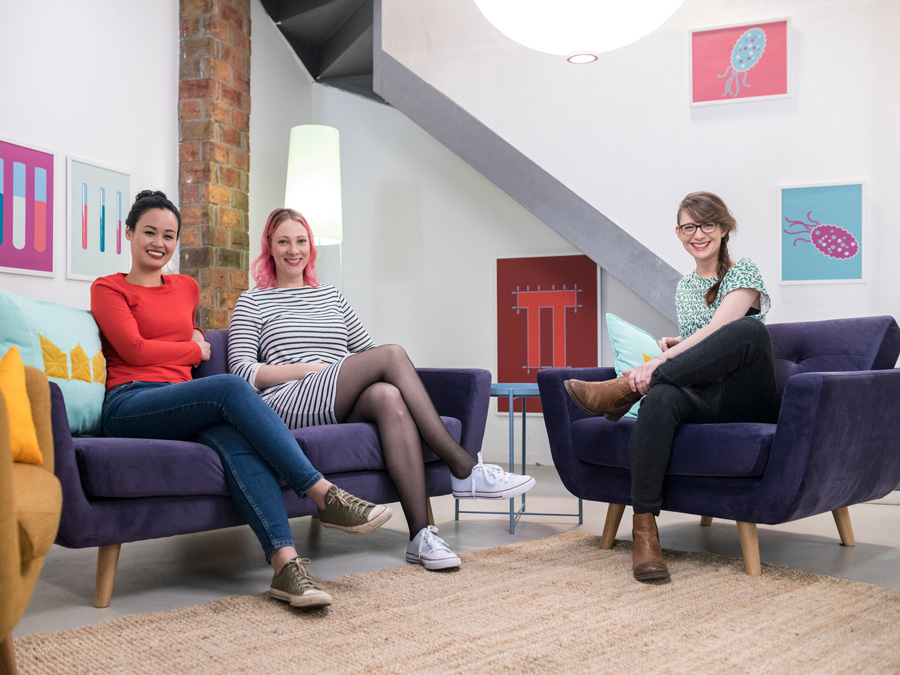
(301, 345)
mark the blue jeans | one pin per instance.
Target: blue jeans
(226, 414)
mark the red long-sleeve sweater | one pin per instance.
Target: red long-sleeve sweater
(146, 331)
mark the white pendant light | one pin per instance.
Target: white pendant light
(577, 29)
(313, 185)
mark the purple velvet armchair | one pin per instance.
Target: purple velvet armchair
(117, 490)
(836, 443)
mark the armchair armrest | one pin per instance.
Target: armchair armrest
(463, 393)
(559, 414)
(835, 445)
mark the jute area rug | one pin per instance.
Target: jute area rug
(557, 605)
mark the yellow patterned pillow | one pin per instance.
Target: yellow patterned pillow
(55, 362)
(64, 342)
(22, 435)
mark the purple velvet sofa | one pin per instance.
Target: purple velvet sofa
(117, 490)
(836, 443)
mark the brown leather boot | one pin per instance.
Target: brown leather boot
(646, 558)
(613, 398)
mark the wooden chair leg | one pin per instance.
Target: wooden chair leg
(7, 655)
(611, 526)
(430, 512)
(845, 528)
(705, 521)
(107, 559)
(750, 547)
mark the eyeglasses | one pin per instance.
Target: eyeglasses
(688, 229)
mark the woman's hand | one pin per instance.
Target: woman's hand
(639, 378)
(199, 338)
(204, 350)
(666, 343)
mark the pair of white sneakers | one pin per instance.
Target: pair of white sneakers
(487, 481)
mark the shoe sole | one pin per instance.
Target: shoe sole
(507, 494)
(576, 401)
(313, 600)
(365, 527)
(433, 564)
(653, 576)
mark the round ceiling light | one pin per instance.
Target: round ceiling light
(576, 29)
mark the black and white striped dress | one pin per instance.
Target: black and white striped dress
(277, 326)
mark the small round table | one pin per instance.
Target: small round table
(523, 390)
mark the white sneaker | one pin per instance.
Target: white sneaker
(430, 550)
(489, 481)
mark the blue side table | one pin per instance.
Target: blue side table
(523, 391)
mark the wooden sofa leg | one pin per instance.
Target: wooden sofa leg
(7, 655)
(705, 521)
(430, 512)
(107, 559)
(750, 547)
(611, 526)
(845, 528)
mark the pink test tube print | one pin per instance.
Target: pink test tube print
(26, 210)
(95, 220)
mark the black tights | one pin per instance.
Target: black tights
(728, 377)
(381, 386)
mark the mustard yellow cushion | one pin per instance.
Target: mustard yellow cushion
(22, 435)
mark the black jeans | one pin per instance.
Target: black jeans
(728, 377)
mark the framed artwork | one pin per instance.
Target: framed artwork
(822, 236)
(26, 209)
(748, 62)
(99, 199)
(546, 317)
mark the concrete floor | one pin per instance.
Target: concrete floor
(191, 569)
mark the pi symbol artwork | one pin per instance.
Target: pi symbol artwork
(745, 54)
(830, 240)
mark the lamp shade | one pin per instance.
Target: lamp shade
(313, 185)
(576, 28)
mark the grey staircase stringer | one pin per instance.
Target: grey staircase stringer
(646, 274)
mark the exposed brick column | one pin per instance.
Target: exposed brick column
(214, 152)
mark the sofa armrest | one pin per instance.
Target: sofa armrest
(75, 502)
(835, 443)
(463, 393)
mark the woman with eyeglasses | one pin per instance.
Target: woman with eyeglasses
(719, 369)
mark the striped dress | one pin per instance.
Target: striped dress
(277, 326)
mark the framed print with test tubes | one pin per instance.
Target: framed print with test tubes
(26, 209)
(99, 198)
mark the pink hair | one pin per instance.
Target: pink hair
(263, 268)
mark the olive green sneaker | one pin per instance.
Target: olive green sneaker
(351, 514)
(294, 585)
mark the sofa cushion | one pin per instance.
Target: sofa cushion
(633, 347)
(116, 468)
(720, 450)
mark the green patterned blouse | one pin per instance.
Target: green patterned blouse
(694, 313)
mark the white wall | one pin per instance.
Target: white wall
(281, 94)
(621, 133)
(97, 79)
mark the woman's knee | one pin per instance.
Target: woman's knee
(395, 353)
(386, 401)
(662, 399)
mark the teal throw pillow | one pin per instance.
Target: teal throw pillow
(632, 346)
(64, 342)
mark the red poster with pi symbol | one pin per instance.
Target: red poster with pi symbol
(546, 318)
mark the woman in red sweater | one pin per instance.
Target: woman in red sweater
(151, 343)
